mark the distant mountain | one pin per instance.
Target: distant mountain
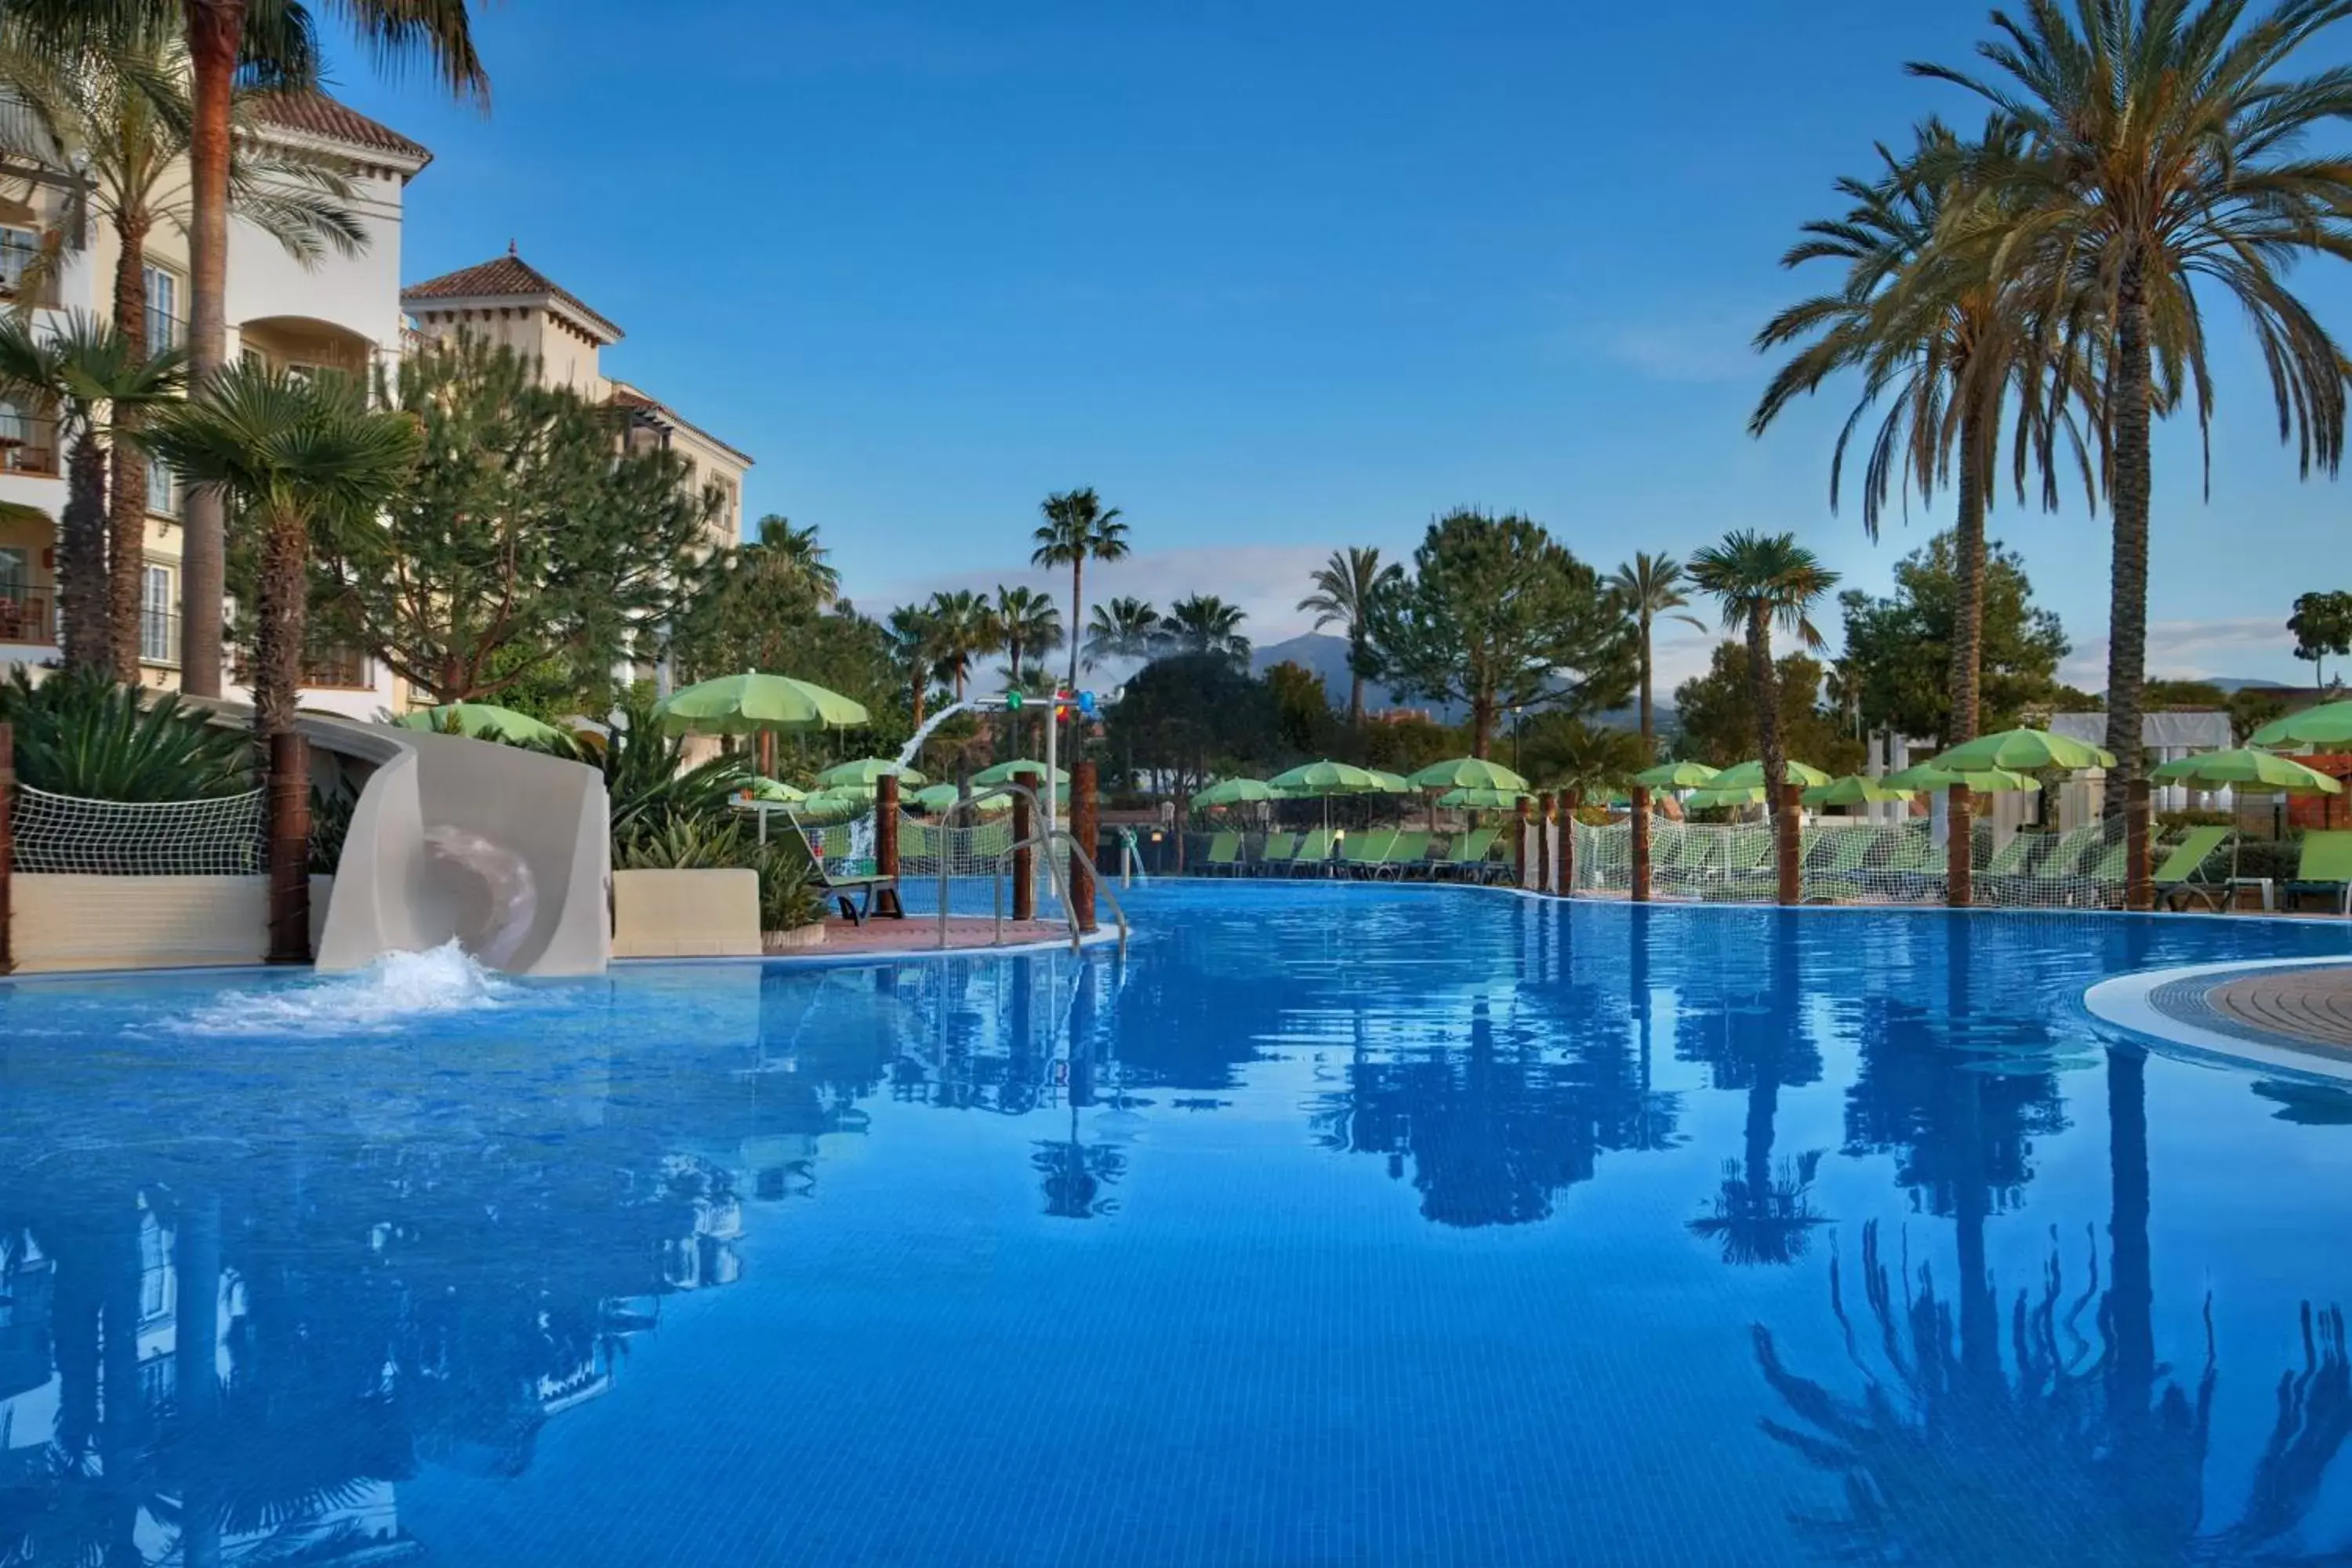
(1327, 657)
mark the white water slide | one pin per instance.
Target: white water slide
(504, 851)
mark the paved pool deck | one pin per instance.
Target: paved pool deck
(2312, 1007)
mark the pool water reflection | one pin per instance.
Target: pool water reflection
(1338, 1225)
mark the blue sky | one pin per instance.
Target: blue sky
(1274, 278)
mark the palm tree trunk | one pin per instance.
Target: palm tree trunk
(2128, 600)
(1077, 612)
(1649, 732)
(1968, 575)
(81, 550)
(214, 30)
(278, 637)
(1356, 683)
(126, 559)
(1482, 725)
(918, 685)
(1764, 691)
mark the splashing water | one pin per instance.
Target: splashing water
(395, 990)
(914, 748)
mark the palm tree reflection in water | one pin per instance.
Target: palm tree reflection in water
(1763, 1213)
(2082, 1448)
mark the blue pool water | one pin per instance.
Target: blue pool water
(1339, 1226)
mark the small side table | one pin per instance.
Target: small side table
(2266, 885)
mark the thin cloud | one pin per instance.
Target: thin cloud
(2244, 647)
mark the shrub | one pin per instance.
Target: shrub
(787, 899)
(79, 733)
(330, 824)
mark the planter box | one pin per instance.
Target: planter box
(138, 922)
(686, 915)
(800, 938)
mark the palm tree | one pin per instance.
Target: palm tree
(90, 372)
(293, 454)
(965, 628)
(914, 635)
(112, 120)
(1764, 580)
(1345, 587)
(1124, 628)
(1078, 529)
(1029, 622)
(1940, 343)
(1206, 624)
(1592, 761)
(273, 43)
(1647, 587)
(795, 553)
(2159, 147)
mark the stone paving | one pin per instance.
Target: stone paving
(2310, 1007)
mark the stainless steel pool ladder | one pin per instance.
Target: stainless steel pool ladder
(1003, 861)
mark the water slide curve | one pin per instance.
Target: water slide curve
(504, 850)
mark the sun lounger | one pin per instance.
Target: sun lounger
(1274, 855)
(1224, 853)
(1835, 858)
(1367, 852)
(1408, 854)
(2180, 878)
(2325, 868)
(2056, 873)
(881, 892)
(1466, 859)
(1314, 856)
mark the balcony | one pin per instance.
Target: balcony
(25, 617)
(28, 443)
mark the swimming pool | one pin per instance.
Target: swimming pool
(1339, 1224)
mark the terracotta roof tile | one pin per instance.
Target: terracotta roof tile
(507, 277)
(319, 115)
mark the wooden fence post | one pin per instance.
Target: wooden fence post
(1787, 843)
(1025, 858)
(1546, 825)
(289, 849)
(1086, 831)
(886, 844)
(1959, 851)
(1571, 802)
(1640, 823)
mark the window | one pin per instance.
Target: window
(25, 446)
(162, 490)
(154, 1269)
(20, 248)
(158, 626)
(165, 330)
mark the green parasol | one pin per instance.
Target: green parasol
(1466, 773)
(1854, 789)
(1980, 781)
(2022, 750)
(1750, 775)
(744, 704)
(1676, 776)
(2248, 770)
(941, 797)
(866, 771)
(1474, 799)
(483, 722)
(1710, 798)
(1394, 783)
(776, 790)
(1236, 792)
(1001, 774)
(2329, 724)
(1329, 778)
